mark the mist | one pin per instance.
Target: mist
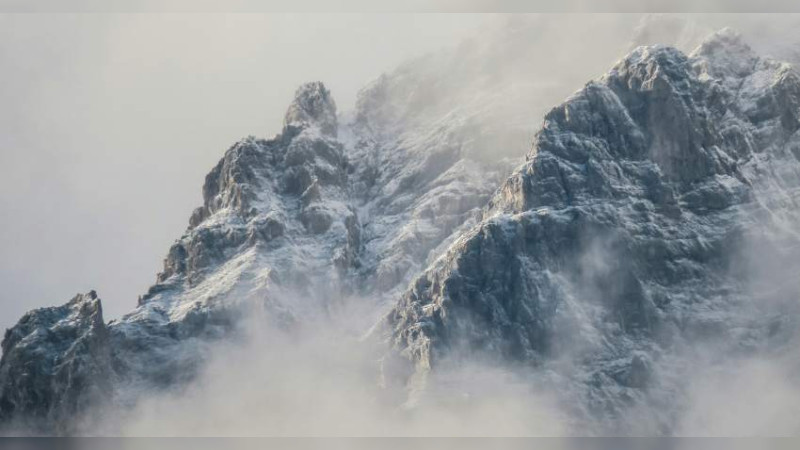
(323, 379)
(329, 377)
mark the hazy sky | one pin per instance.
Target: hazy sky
(109, 124)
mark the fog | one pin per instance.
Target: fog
(322, 379)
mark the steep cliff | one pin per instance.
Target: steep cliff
(627, 236)
(656, 214)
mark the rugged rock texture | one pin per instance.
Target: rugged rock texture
(290, 229)
(414, 188)
(334, 206)
(627, 235)
(618, 242)
(275, 219)
(313, 106)
(56, 363)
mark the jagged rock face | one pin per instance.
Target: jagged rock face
(289, 227)
(56, 362)
(619, 234)
(262, 190)
(332, 207)
(419, 174)
(428, 149)
(622, 236)
(275, 219)
(414, 194)
(313, 106)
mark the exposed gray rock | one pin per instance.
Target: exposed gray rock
(281, 233)
(56, 364)
(620, 236)
(617, 242)
(313, 105)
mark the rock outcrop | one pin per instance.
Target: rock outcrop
(626, 236)
(290, 227)
(56, 363)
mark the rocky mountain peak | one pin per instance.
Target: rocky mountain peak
(641, 191)
(313, 106)
(623, 226)
(726, 54)
(69, 347)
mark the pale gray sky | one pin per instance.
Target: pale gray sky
(109, 123)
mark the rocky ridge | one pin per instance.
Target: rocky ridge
(611, 249)
(627, 237)
(290, 229)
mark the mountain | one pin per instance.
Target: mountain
(623, 241)
(290, 229)
(656, 214)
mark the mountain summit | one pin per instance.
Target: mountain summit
(312, 106)
(626, 238)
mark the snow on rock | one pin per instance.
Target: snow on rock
(56, 363)
(313, 106)
(290, 227)
(628, 237)
(621, 227)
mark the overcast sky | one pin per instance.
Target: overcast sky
(109, 124)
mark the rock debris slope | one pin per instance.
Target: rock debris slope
(656, 213)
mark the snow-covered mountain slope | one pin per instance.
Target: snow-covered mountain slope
(292, 228)
(432, 139)
(276, 218)
(610, 249)
(56, 363)
(656, 215)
